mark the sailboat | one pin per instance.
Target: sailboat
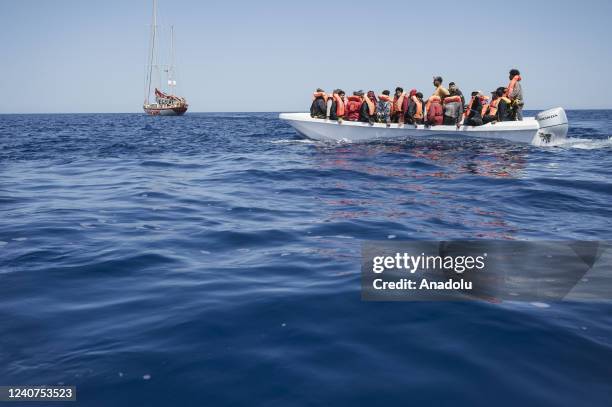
(167, 103)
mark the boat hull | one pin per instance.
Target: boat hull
(529, 130)
(165, 111)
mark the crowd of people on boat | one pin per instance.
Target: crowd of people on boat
(446, 106)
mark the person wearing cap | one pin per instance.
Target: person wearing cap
(318, 108)
(455, 91)
(440, 91)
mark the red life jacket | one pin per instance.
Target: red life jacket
(352, 108)
(451, 99)
(435, 112)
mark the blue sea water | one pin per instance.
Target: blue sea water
(214, 259)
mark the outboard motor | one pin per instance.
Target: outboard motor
(553, 127)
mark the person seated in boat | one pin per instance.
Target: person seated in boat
(371, 101)
(355, 107)
(453, 110)
(515, 93)
(473, 111)
(414, 113)
(336, 105)
(434, 111)
(318, 108)
(383, 108)
(453, 90)
(440, 91)
(400, 106)
(500, 109)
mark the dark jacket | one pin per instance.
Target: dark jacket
(318, 108)
(504, 112)
(364, 113)
(473, 117)
(411, 111)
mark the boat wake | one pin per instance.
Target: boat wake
(586, 143)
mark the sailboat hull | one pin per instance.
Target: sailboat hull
(165, 111)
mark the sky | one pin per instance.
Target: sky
(90, 56)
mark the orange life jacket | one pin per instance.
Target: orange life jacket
(511, 85)
(320, 94)
(451, 99)
(399, 102)
(419, 107)
(371, 105)
(385, 98)
(493, 106)
(339, 105)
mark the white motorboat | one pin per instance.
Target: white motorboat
(546, 128)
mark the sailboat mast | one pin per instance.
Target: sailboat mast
(152, 52)
(171, 70)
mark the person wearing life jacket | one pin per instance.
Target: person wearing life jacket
(399, 107)
(500, 109)
(440, 91)
(414, 113)
(473, 111)
(453, 110)
(515, 93)
(354, 107)
(335, 105)
(383, 108)
(489, 112)
(434, 111)
(318, 108)
(453, 90)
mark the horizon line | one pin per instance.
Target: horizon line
(238, 111)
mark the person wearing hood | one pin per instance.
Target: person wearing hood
(515, 93)
(414, 112)
(318, 108)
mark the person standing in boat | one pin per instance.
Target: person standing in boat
(318, 108)
(440, 91)
(515, 93)
(414, 113)
(453, 90)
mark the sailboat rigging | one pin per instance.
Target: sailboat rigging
(166, 103)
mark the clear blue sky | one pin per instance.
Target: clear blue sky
(89, 56)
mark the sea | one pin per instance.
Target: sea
(214, 260)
